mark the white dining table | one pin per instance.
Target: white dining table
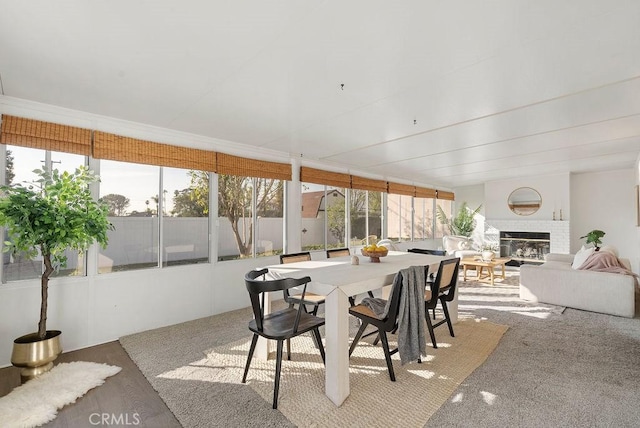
(338, 279)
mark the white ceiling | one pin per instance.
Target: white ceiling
(497, 89)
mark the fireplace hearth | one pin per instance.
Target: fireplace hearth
(525, 247)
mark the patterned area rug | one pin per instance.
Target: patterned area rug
(375, 401)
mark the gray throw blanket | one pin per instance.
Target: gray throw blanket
(411, 323)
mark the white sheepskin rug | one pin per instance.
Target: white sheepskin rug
(37, 401)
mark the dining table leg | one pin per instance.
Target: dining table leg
(337, 346)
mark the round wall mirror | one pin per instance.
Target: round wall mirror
(524, 201)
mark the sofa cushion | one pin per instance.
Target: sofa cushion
(581, 256)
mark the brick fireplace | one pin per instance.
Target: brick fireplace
(558, 232)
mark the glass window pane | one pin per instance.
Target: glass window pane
(313, 217)
(399, 217)
(446, 207)
(133, 210)
(366, 217)
(374, 217)
(270, 216)
(186, 226)
(423, 218)
(334, 205)
(235, 217)
(358, 217)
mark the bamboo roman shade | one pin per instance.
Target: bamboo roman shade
(425, 192)
(328, 178)
(449, 196)
(402, 189)
(362, 183)
(36, 134)
(126, 149)
(235, 165)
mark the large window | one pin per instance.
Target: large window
(446, 206)
(167, 209)
(399, 217)
(133, 211)
(185, 221)
(423, 218)
(323, 217)
(19, 165)
(365, 216)
(251, 216)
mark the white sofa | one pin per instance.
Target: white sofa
(556, 282)
(459, 246)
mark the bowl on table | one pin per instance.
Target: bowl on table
(374, 255)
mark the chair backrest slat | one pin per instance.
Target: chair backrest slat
(295, 257)
(447, 278)
(338, 252)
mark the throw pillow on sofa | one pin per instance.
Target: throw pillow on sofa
(581, 256)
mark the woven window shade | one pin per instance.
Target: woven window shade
(44, 135)
(449, 196)
(328, 178)
(402, 189)
(235, 165)
(362, 183)
(126, 149)
(425, 192)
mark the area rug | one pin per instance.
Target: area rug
(37, 401)
(420, 388)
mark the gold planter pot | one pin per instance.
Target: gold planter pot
(35, 356)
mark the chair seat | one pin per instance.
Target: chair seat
(309, 298)
(363, 310)
(279, 324)
(427, 294)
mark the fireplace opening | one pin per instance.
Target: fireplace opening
(524, 247)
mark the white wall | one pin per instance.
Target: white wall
(606, 201)
(554, 190)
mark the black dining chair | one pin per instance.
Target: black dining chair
(442, 289)
(384, 324)
(426, 251)
(280, 325)
(310, 299)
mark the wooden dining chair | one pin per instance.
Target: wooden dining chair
(280, 325)
(442, 289)
(311, 299)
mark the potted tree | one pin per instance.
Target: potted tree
(54, 213)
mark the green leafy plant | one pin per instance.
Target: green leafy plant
(463, 223)
(55, 213)
(490, 246)
(593, 237)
